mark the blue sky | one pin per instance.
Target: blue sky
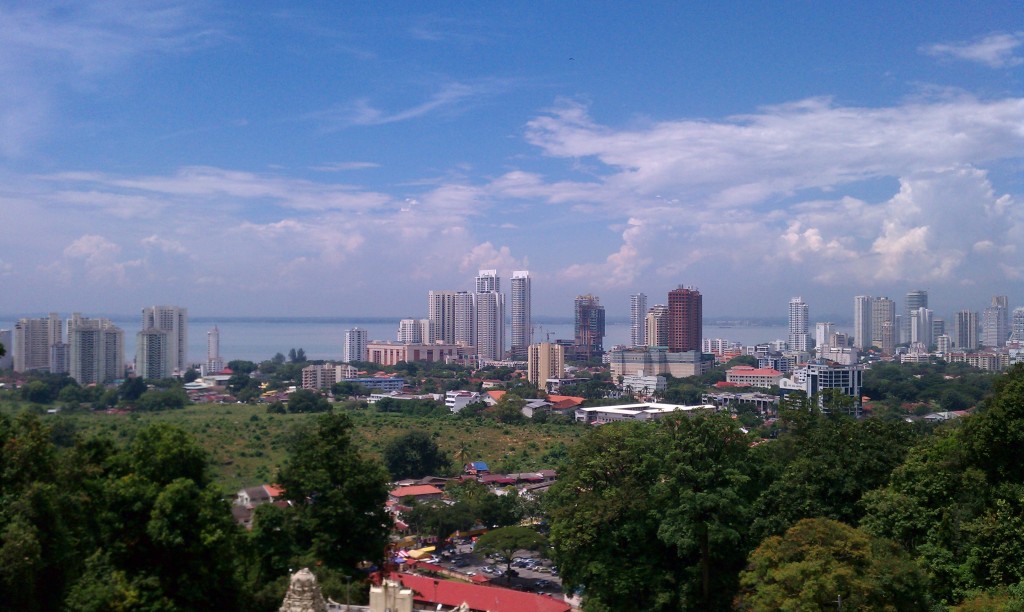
(326, 158)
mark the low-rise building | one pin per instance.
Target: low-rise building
(455, 401)
(655, 361)
(322, 376)
(390, 353)
(643, 385)
(635, 412)
(750, 376)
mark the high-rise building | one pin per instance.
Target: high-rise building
(965, 330)
(545, 360)
(638, 320)
(915, 299)
(862, 335)
(938, 327)
(522, 317)
(685, 318)
(410, 331)
(488, 280)
(174, 321)
(214, 362)
(657, 325)
(490, 326)
(356, 340)
(943, 343)
(887, 341)
(883, 310)
(465, 318)
(995, 322)
(589, 326)
(799, 340)
(921, 327)
(441, 313)
(1017, 325)
(33, 340)
(823, 332)
(95, 350)
(153, 354)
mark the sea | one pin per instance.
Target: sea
(260, 338)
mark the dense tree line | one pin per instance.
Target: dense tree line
(690, 513)
(90, 525)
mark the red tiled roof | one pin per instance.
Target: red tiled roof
(415, 490)
(478, 597)
(496, 394)
(274, 490)
(571, 399)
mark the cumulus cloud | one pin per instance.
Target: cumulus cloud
(995, 50)
(99, 258)
(485, 256)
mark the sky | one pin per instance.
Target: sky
(343, 158)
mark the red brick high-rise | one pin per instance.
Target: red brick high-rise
(685, 318)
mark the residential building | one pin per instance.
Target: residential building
(465, 319)
(153, 354)
(490, 326)
(544, 361)
(657, 326)
(380, 383)
(32, 341)
(1017, 325)
(95, 350)
(685, 318)
(589, 327)
(390, 353)
(60, 358)
(995, 323)
(862, 322)
(522, 316)
(843, 355)
(823, 332)
(411, 331)
(638, 320)
(322, 376)
(943, 344)
(455, 401)
(487, 281)
(799, 340)
(887, 340)
(441, 314)
(214, 362)
(883, 310)
(965, 330)
(921, 327)
(915, 299)
(174, 321)
(356, 340)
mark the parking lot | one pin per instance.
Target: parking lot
(529, 572)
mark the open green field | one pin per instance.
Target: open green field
(246, 444)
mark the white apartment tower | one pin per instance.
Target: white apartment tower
(152, 354)
(522, 317)
(33, 339)
(465, 318)
(638, 320)
(995, 322)
(95, 350)
(174, 321)
(823, 332)
(356, 340)
(490, 326)
(1017, 325)
(915, 299)
(414, 331)
(214, 362)
(862, 336)
(921, 327)
(799, 339)
(441, 314)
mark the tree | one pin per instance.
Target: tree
(162, 400)
(338, 495)
(819, 563)
(132, 388)
(242, 366)
(305, 400)
(506, 541)
(509, 409)
(413, 455)
(190, 375)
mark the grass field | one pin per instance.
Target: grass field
(246, 445)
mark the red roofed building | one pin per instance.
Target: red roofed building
(417, 492)
(478, 597)
(749, 376)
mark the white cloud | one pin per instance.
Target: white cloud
(99, 259)
(994, 50)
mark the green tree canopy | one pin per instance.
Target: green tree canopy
(414, 454)
(305, 400)
(506, 541)
(820, 563)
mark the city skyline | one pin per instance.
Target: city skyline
(239, 159)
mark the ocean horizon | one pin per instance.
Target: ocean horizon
(322, 338)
